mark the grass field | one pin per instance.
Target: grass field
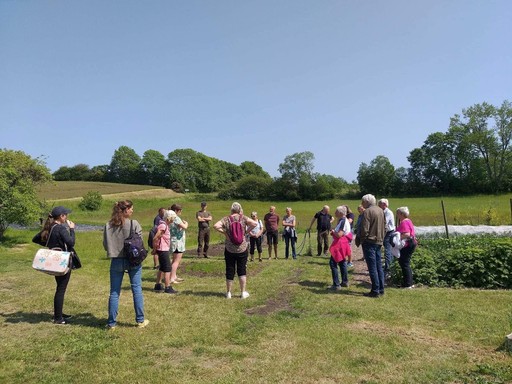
(290, 330)
(60, 190)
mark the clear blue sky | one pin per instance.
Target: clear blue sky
(246, 80)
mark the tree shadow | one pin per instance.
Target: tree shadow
(83, 319)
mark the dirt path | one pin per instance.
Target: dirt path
(359, 271)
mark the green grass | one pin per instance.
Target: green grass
(291, 330)
(77, 189)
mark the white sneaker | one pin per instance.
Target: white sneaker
(245, 295)
(228, 295)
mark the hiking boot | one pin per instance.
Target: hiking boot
(170, 290)
(158, 287)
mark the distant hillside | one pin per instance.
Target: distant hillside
(76, 189)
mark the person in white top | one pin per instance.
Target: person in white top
(255, 237)
(390, 228)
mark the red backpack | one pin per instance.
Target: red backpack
(236, 230)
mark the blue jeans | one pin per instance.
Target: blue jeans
(373, 256)
(288, 239)
(388, 256)
(334, 270)
(117, 269)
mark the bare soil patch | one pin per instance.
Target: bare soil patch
(279, 303)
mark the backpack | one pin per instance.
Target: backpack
(236, 230)
(133, 248)
(152, 234)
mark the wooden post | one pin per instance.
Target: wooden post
(445, 222)
(511, 210)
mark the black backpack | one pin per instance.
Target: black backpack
(134, 249)
(152, 234)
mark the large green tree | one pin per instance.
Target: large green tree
(19, 176)
(297, 166)
(488, 130)
(125, 166)
(378, 177)
(474, 155)
(154, 168)
(251, 168)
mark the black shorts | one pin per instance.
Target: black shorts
(164, 261)
(272, 237)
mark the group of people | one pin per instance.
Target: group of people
(375, 227)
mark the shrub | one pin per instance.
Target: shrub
(91, 201)
(464, 261)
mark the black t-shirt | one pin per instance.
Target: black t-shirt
(323, 221)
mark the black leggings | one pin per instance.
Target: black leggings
(58, 300)
(405, 264)
(235, 260)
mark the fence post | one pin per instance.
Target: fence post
(446, 223)
(511, 210)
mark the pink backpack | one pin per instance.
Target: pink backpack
(236, 230)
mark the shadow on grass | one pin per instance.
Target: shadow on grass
(203, 293)
(11, 242)
(83, 319)
(320, 288)
(311, 284)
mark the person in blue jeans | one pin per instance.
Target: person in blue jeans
(370, 235)
(116, 230)
(340, 249)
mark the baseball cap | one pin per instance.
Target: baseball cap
(60, 210)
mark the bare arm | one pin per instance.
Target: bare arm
(219, 227)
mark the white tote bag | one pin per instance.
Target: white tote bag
(52, 261)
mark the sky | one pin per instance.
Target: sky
(246, 80)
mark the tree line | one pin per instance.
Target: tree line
(186, 170)
(473, 156)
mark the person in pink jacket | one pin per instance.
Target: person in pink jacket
(340, 249)
(406, 229)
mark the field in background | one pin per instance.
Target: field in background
(425, 211)
(77, 189)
